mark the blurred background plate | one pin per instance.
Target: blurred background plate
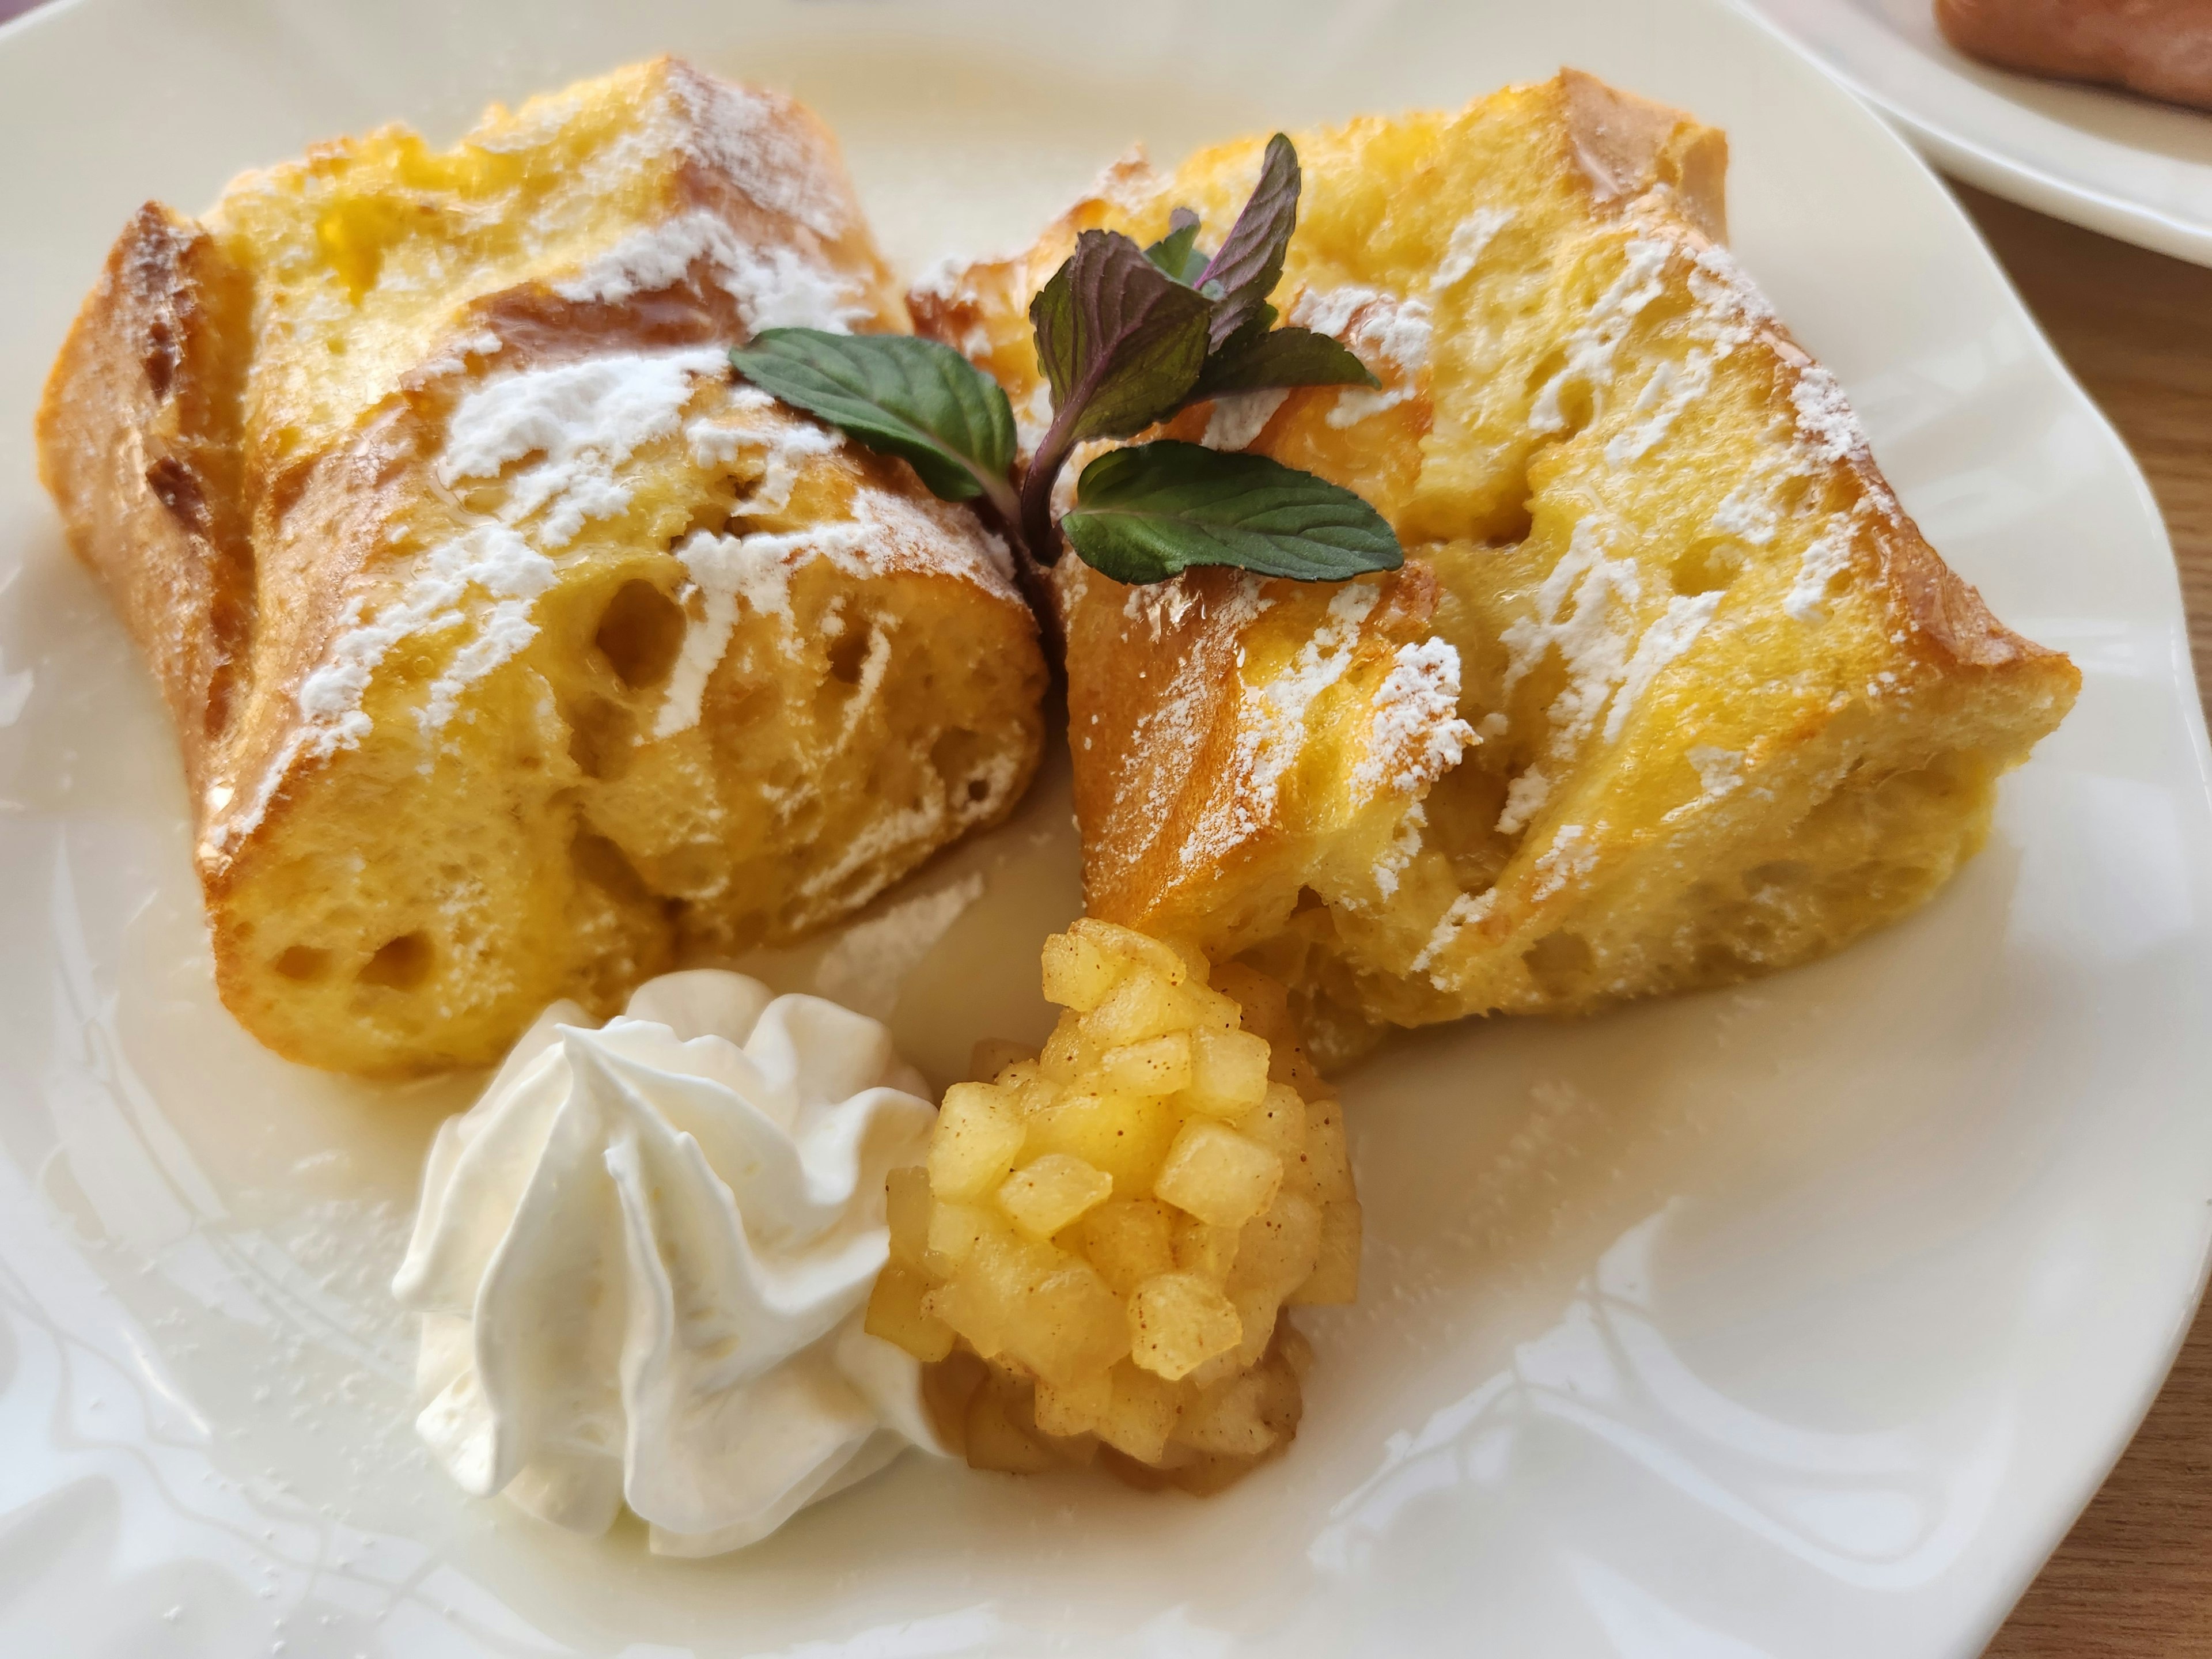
(1798, 1319)
(2130, 166)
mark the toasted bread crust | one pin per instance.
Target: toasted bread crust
(137, 436)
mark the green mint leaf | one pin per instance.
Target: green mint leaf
(1249, 261)
(912, 398)
(1147, 512)
(1174, 254)
(1256, 360)
(1121, 344)
(1119, 339)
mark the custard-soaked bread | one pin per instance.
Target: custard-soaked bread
(1671, 691)
(515, 650)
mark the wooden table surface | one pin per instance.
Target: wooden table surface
(2133, 1578)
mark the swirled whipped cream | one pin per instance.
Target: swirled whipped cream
(643, 1257)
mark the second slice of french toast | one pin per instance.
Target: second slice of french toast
(1670, 691)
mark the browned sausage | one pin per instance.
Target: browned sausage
(2162, 48)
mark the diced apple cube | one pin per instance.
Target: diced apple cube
(1219, 1176)
(1335, 1277)
(1126, 946)
(1048, 1194)
(907, 1204)
(997, 1439)
(988, 1060)
(1077, 973)
(953, 1231)
(1326, 1153)
(1128, 1240)
(1070, 1324)
(1177, 1321)
(1125, 1135)
(979, 1135)
(1277, 1122)
(1208, 1251)
(1229, 1071)
(1141, 1414)
(1065, 1410)
(1142, 1004)
(1277, 1250)
(896, 1315)
(1158, 1065)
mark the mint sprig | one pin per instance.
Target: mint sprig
(1151, 510)
(1126, 338)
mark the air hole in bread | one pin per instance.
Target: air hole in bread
(1558, 961)
(606, 865)
(602, 740)
(640, 635)
(848, 654)
(958, 754)
(399, 964)
(302, 963)
(1706, 565)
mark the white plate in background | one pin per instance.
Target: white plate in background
(1797, 1320)
(2132, 167)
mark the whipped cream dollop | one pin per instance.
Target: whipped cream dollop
(643, 1258)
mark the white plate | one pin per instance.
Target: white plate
(2130, 166)
(1795, 1319)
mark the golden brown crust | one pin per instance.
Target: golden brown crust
(1625, 145)
(138, 437)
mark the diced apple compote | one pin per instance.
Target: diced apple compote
(1096, 1255)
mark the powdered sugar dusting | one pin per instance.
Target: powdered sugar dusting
(773, 286)
(583, 419)
(1469, 237)
(1590, 350)
(1389, 332)
(1238, 418)
(1416, 734)
(1668, 638)
(1826, 557)
(766, 146)
(1571, 857)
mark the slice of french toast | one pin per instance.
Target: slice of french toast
(1670, 691)
(515, 651)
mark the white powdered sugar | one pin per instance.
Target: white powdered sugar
(729, 571)
(1827, 557)
(1464, 912)
(1666, 639)
(1385, 330)
(1672, 388)
(773, 286)
(1826, 424)
(1586, 611)
(490, 559)
(1403, 846)
(1278, 730)
(583, 419)
(753, 419)
(1416, 734)
(766, 146)
(1238, 418)
(1571, 857)
(1720, 771)
(1464, 251)
(1592, 347)
(1744, 514)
